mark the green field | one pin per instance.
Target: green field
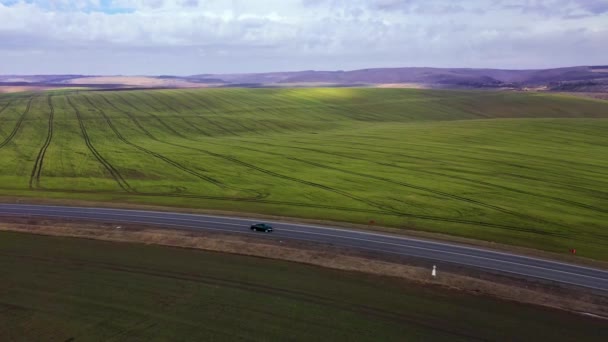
(65, 289)
(527, 169)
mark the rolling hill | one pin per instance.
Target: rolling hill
(581, 78)
(526, 169)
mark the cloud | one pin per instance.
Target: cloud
(594, 6)
(191, 36)
(558, 8)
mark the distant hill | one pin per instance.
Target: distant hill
(432, 77)
(579, 78)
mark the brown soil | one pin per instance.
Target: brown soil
(470, 281)
(402, 85)
(137, 81)
(17, 89)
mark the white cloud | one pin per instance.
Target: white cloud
(191, 36)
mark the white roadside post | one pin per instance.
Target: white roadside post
(434, 272)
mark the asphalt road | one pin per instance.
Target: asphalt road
(435, 252)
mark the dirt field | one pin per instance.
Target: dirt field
(573, 300)
(402, 85)
(138, 81)
(17, 89)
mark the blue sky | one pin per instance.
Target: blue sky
(183, 37)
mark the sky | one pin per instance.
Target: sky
(185, 37)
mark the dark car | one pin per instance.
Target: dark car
(261, 227)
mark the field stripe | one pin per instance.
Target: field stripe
(389, 151)
(35, 176)
(131, 116)
(257, 195)
(6, 106)
(210, 122)
(301, 181)
(2, 110)
(111, 169)
(417, 187)
(201, 117)
(179, 114)
(360, 199)
(160, 121)
(476, 181)
(197, 110)
(426, 217)
(294, 179)
(18, 124)
(152, 153)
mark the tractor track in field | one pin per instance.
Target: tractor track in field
(574, 203)
(152, 153)
(557, 199)
(209, 121)
(6, 106)
(382, 207)
(373, 204)
(388, 210)
(569, 186)
(136, 121)
(37, 170)
(229, 199)
(267, 126)
(427, 217)
(109, 167)
(10, 137)
(181, 117)
(160, 121)
(2, 111)
(222, 128)
(131, 116)
(370, 203)
(245, 128)
(405, 185)
(449, 151)
(422, 188)
(257, 195)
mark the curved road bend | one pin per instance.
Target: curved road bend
(520, 266)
